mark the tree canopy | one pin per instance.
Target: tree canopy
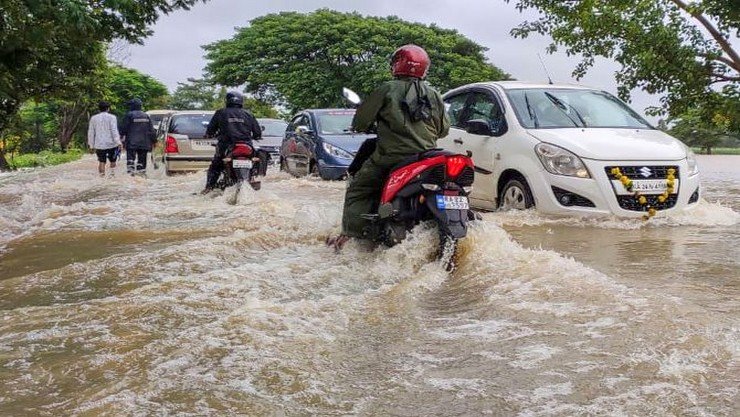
(681, 49)
(200, 94)
(55, 122)
(197, 94)
(45, 43)
(303, 60)
(124, 84)
(693, 131)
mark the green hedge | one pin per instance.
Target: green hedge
(44, 159)
(719, 151)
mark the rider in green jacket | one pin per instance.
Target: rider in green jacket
(410, 117)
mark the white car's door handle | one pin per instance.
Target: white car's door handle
(458, 141)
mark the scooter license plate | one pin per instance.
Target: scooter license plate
(242, 163)
(452, 202)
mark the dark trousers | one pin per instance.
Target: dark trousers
(136, 160)
(217, 164)
(363, 194)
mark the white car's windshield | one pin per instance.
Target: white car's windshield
(540, 108)
(336, 122)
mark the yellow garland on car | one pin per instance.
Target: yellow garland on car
(628, 185)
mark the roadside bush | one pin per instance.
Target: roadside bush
(718, 151)
(45, 158)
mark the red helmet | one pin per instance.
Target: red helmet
(410, 60)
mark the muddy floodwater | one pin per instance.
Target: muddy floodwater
(134, 297)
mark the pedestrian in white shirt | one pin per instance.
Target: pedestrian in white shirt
(103, 137)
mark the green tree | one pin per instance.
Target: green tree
(303, 60)
(259, 108)
(33, 129)
(710, 126)
(57, 121)
(71, 106)
(45, 43)
(196, 94)
(123, 84)
(681, 49)
(694, 131)
(199, 94)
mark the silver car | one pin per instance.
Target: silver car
(273, 131)
(185, 145)
(158, 116)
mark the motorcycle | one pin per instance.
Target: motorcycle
(430, 186)
(243, 163)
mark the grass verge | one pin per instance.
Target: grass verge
(719, 151)
(44, 159)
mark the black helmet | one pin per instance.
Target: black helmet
(234, 98)
(135, 104)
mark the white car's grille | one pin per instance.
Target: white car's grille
(645, 172)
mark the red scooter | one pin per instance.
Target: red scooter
(430, 186)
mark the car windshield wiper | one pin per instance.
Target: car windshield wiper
(564, 106)
(532, 114)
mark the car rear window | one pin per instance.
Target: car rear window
(190, 124)
(156, 118)
(273, 128)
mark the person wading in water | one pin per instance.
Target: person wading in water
(103, 137)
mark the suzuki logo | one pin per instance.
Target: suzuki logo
(646, 172)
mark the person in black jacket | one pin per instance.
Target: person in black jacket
(139, 137)
(230, 124)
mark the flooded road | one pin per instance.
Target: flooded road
(134, 297)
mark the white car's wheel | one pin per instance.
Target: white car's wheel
(516, 195)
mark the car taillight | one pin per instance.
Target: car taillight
(170, 145)
(455, 165)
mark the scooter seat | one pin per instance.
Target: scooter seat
(419, 156)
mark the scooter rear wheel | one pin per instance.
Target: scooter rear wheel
(448, 251)
(393, 234)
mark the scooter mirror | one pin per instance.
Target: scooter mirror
(351, 96)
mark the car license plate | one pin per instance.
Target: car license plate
(241, 163)
(452, 202)
(644, 187)
(202, 145)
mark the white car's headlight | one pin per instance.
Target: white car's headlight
(560, 161)
(691, 161)
(337, 152)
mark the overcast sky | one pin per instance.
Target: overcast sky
(174, 52)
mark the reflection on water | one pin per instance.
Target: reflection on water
(127, 296)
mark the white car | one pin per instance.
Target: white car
(566, 150)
